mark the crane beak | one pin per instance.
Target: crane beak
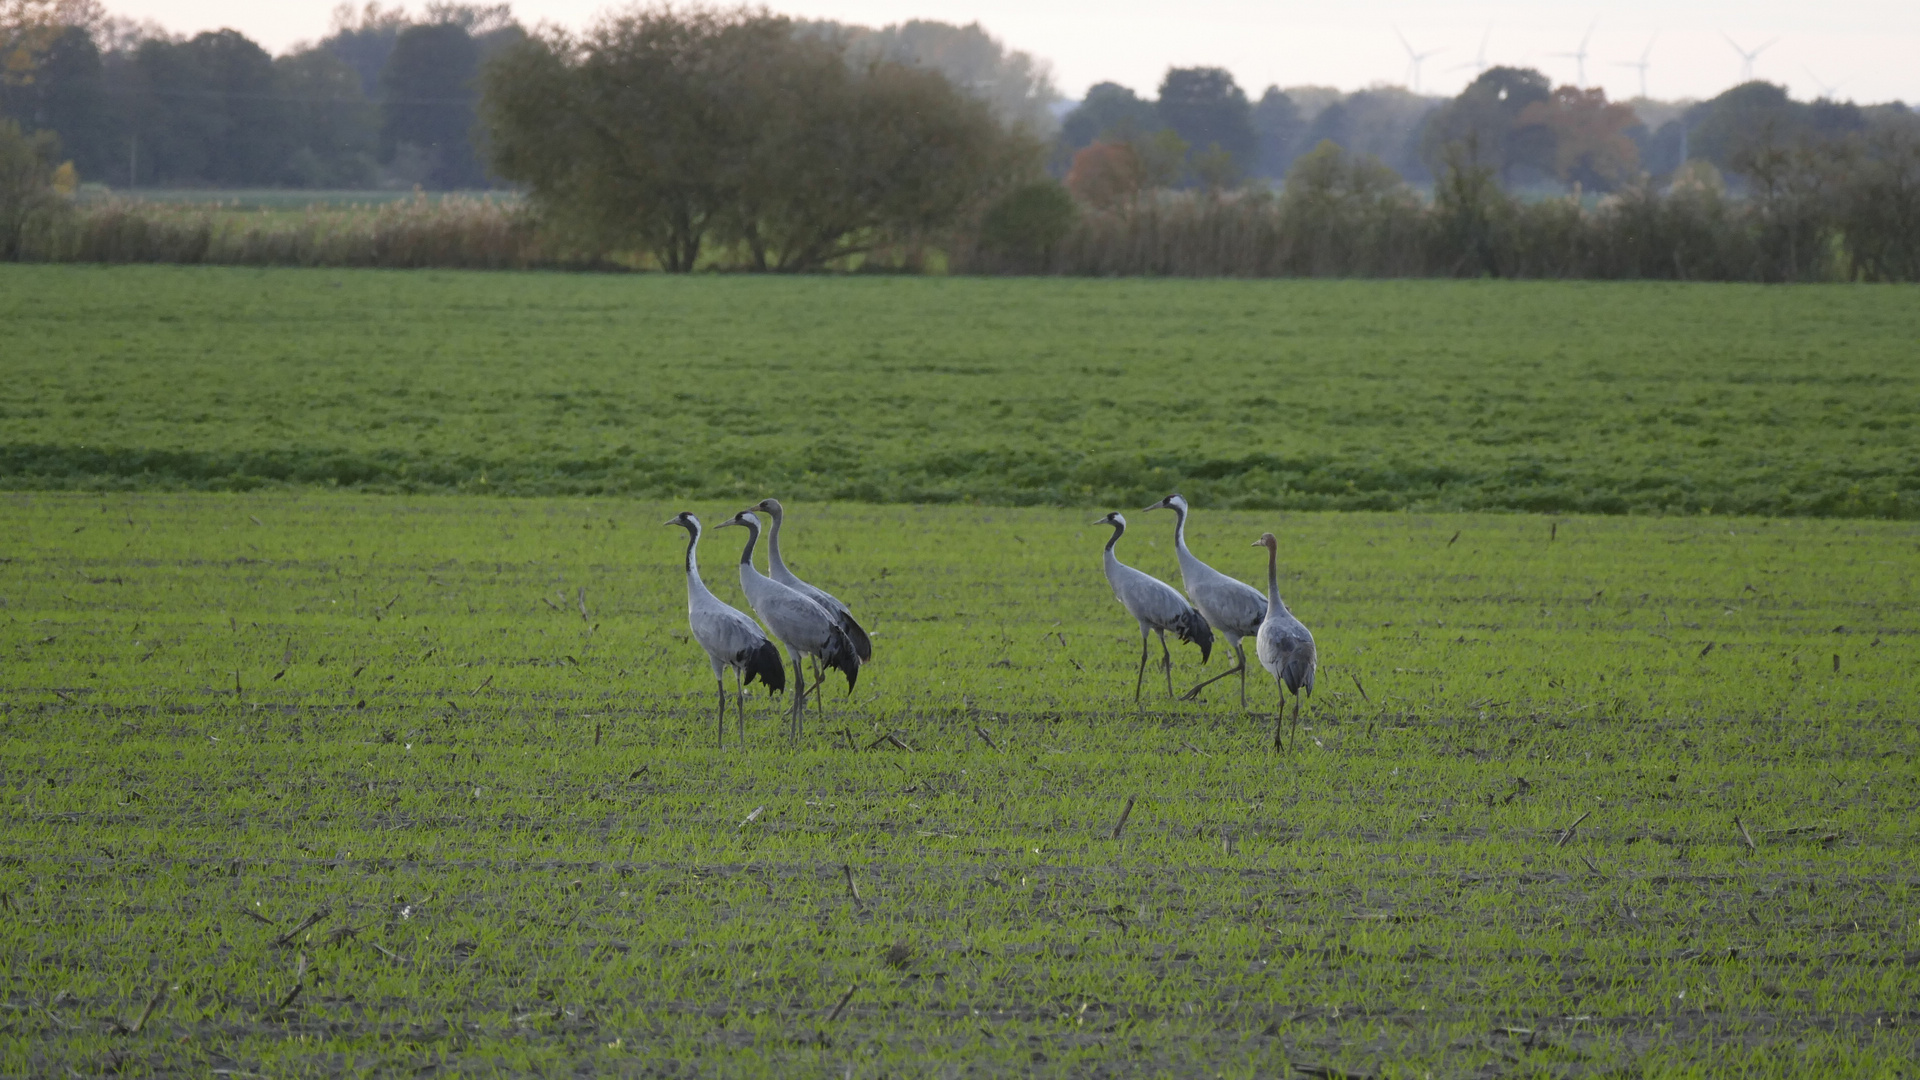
(671, 521)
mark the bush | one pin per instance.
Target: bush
(1028, 223)
(30, 183)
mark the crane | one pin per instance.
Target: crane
(1284, 645)
(777, 569)
(1156, 606)
(1234, 608)
(732, 640)
(802, 625)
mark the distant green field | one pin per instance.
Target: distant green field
(1613, 398)
(454, 754)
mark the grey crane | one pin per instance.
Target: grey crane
(777, 570)
(1234, 608)
(802, 625)
(732, 640)
(1155, 606)
(1284, 645)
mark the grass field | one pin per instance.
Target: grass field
(1428, 395)
(481, 809)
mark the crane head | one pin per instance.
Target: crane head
(744, 518)
(1267, 541)
(1174, 501)
(1114, 519)
(685, 520)
(768, 506)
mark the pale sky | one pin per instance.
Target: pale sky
(1867, 50)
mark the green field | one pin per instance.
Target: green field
(223, 714)
(1428, 395)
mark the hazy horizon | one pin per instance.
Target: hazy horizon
(1857, 49)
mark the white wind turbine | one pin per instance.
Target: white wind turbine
(1414, 59)
(1641, 65)
(1748, 56)
(1579, 56)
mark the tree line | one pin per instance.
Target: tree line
(1203, 131)
(732, 138)
(385, 98)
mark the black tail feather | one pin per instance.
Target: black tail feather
(764, 663)
(841, 656)
(862, 645)
(1193, 629)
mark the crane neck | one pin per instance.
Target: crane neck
(753, 537)
(1180, 528)
(775, 564)
(1273, 580)
(1117, 530)
(695, 586)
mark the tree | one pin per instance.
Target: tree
(28, 179)
(1107, 175)
(64, 93)
(427, 104)
(364, 43)
(334, 128)
(1016, 86)
(1207, 109)
(1484, 121)
(1589, 137)
(1384, 123)
(206, 111)
(662, 129)
(1277, 126)
(1110, 112)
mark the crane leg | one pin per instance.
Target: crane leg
(1241, 667)
(1242, 654)
(1280, 689)
(799, 696)
(1142, 673)
(720, 684)
(1294, 740)
(1166, 662)
(740, 708)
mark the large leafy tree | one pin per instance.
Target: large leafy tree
(1481, 128)
(665, 129)
(1111, 113)
(428, 97)
(207, 110)
(1209, 111)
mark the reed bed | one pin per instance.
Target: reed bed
(1356, 225)
(466, 233)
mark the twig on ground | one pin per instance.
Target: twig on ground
(288, 937)
(1124, 813)
(158, 997)
(1745, 835)
(985, 737)
(1568, 835)
(844, 998)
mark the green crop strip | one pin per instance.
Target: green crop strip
(303, 784)
(1431, 395)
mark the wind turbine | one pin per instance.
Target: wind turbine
(1826, 90)
(1641, 65)
(1479, 61)
(1414, 59)
(1579, 56)
(1747, 57)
